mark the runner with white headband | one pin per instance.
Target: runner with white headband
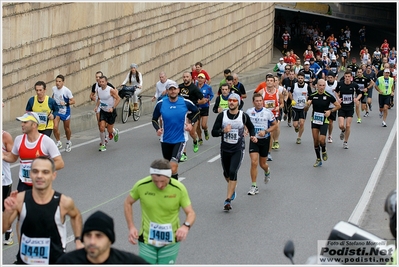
(161, 231)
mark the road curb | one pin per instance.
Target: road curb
(84, 117)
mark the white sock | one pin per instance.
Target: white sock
(102, 137)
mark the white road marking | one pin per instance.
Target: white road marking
(214, 159)
(96, 139)
(358, 213)
(181, 178)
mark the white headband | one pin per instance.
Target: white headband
(165, 172)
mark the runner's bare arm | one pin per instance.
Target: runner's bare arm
(68, 205)
(59, 162)
(128, 209)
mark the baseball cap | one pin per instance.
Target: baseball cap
(99, 221)
(330, 73)
(236, 96)
(281, 58)
(324, 54)
(201, 75)
(387, 70)
(171, 84)
(29, 116)
(306, 63)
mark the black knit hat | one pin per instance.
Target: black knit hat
(99, 221)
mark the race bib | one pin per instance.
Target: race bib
(104, 106)
(42, 117)
(344, 54)
(270, 104)
(160, 234)
(307, 77)
(347, 99)
(318, 118)
(301, 101)
(231, 137)
(24, 171)
(62, 110)
(258, 128)
(35, 251)
(334, 70)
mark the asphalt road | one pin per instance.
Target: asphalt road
(300, 202)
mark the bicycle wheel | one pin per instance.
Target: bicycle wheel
(137, 113)
(125, 110)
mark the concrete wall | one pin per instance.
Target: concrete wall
(383, 14)
(42, 40)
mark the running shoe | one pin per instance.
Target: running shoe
(384, 124)
(274, 145)
(289, 123)
(68, 146)
(206, 134)
(285, 117)
(116, 137)
(267, 176)
(269, 157)
(102, 148)
(59, 144)
(359, 120)
(233, 196)
(183, 157)
(8, 238)
(277, 145)
(298, 140)
(370, 107)
(200, 142)
(297, 129)
(324, 156)
(195, 147)
(110, 136)
(380, 114)
(227, 205)
(106, 141)
(329, 140)
(342, 135)
(253, 191)
(366, 114)
(345, 145)
(318, 163)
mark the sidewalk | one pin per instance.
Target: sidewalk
(84, 118)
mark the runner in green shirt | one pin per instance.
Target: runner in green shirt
(160, 199)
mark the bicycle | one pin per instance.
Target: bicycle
(127, 93)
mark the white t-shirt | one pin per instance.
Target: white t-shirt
(5, 171)
(160, 87)
(133, 81)
(261, 120)
(62, 95)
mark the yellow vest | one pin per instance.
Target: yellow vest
(382, 86)
(43, 110)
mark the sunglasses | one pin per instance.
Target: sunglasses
(233, 100)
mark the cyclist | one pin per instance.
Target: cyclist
(134, 78)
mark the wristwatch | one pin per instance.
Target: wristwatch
(187, 224)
